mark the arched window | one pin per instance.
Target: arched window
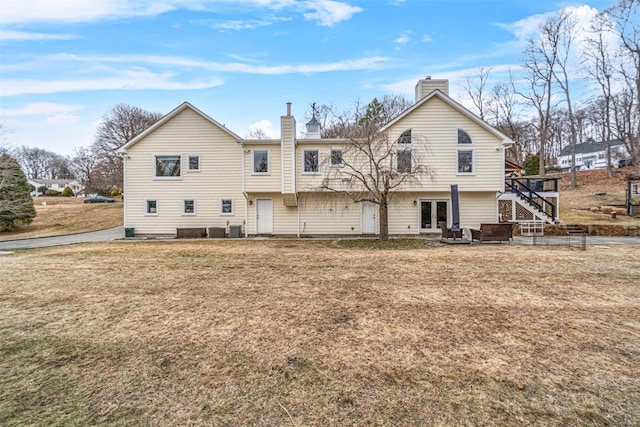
(463, 137)
(405, 137)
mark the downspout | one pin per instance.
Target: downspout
(298, 214)
(244, 193)
(124, 188)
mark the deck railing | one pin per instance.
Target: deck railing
(530, 188)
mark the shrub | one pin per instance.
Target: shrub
(51, 193)
(42, 189)
(116, 192)
(531, 164)
(67, 192)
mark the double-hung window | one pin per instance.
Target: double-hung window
(465, 154)
(151, 207)
(404, 153)
(193, 163)
(189, 206)
(404, 160)
(311, 159)
(336, 157)
(261, 161)
(167, 166)
(226, 206)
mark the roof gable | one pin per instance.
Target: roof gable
(168, 117)
(456, 106)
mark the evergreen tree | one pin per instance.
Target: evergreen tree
(16, 205)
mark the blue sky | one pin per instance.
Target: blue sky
(64, 63)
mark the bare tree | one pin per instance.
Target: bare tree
(342, 124)
(504, 114)
(257, 134)
(373, 167)
(558, 32)
(625, 18)
(539, 62)
(5, 147)
(477, 91)
(39, 163)
(597, 57)
(119, 125)
(85, 167)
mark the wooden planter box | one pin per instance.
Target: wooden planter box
(191, 233)
(216, 232)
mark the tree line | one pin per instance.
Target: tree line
(543, 110)
(97, 167)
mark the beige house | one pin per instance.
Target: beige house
(190, 171)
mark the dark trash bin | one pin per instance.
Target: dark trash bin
(128, 232)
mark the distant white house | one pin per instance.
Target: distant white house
(592, 155)
(54, 184)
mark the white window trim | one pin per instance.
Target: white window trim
(253, 160)
(165, 178)
(146, 207)
(222, 199)
(189, 163)
(405, 147)
(466, 147)
(303, 161)
(405, 144)
(466, 144)
(338, 165)
(195, 210)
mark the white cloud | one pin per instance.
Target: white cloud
(328, 12)
(40, 108)
(403, 39)
(130, 80)
(238, 25)
(62, 119)
(426, 38)
(24, 35)
(525, 28)
(169, 70)
(264, 127)
(67, 11)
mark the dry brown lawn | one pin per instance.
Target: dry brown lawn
(301, 333)
(66, 215)
(594, 190)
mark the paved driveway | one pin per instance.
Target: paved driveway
(41, 242)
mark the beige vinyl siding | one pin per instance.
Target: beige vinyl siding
(435, 132)
(186, 134)
(327, 214)
(285, 219)
(477, 208)
(404, 216)
(271, 182)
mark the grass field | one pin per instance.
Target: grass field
(301, 333)
(56, 216)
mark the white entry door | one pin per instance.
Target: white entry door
(369, 212)
(264, 216)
